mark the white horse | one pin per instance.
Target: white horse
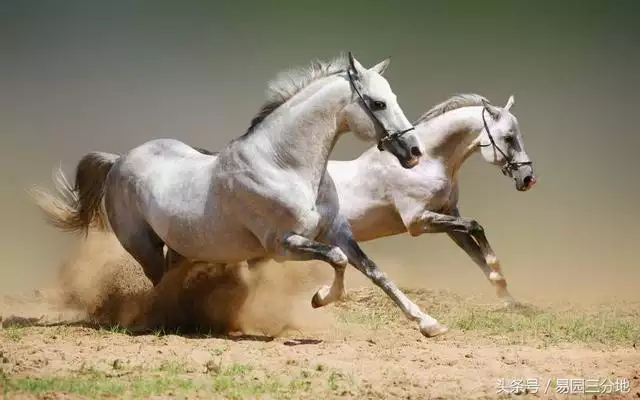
(379, 199)
(265, 196)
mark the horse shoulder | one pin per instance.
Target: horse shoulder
(426, 187)
(425, 183)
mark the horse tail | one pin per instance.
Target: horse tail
(78, 207)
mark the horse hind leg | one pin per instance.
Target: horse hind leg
(146, 248)
(144, 245)
(299, 248)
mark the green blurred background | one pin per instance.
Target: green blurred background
(77, 76)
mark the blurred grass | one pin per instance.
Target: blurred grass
(608, 324)
(233, 381)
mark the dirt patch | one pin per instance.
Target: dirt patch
(351, 361)
(280, 347)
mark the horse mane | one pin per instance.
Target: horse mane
(290, 82)
(453, 103)
(204, 151)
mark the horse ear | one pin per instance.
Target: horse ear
(355, 67)
(510, 103)
(381, 66)
(492, 110)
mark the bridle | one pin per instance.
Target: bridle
(509, 165)
(388, 137)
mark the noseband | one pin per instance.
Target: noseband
(388, 137)
(509, 165)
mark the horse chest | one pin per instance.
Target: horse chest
(286, 202)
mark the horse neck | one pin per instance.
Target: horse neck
(305, 129)
(452, 137)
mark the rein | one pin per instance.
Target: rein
(509, 165)
(388, 137)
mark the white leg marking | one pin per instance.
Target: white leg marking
(428, 325)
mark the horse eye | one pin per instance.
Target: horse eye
(378, 105)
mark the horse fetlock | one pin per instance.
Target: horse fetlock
(496, 275)
(497, 278)
(338, 258)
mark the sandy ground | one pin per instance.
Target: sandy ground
(260, 324)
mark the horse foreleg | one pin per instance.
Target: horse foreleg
(341, 235)
(299, 248)
(469, 245)
(472, 239)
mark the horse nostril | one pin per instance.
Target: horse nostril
(415, 151)
(528, 180)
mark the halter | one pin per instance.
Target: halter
(388, 137)
(509, 165)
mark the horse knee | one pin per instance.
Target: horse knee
(474, 227)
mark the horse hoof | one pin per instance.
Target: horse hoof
(315, 301)
(433, 330)
(509, 302)
(517, 306)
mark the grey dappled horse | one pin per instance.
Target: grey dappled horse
(265, 196)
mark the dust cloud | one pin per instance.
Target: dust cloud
(100, 283)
